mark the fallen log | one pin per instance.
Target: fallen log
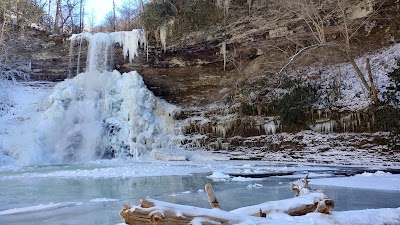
(357, 217)
(296, 206)
(174, 214)
(305, 201)
(157, 212)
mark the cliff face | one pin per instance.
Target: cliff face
(191, 71)
(225, 109)
(44, 56)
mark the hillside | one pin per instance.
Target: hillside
(313, 111)
(257, 47)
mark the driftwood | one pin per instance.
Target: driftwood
(174, 214)
(157, 212)
(211, 197)
(305, 201)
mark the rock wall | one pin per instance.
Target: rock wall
(46, 54)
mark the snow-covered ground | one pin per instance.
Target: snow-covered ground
(378, 181)
(351, 95)
(25, 100)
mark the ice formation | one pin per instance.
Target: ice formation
(100, 113)
(101, 47)
(326, 126)
(350, 122)
(163, 36)
(105, 115)
(5, 102)
(270, 127)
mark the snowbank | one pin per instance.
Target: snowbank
(377, 181)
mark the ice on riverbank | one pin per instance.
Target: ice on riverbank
(377, 181)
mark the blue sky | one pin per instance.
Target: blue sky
(100, 8)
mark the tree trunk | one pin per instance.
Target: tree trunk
(3, 27)
(359, 73)
(114, 17)
(81, 16)
(49, 8)
(373, 92)
(155, 212)
(58, 13)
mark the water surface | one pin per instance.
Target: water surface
(98, 200)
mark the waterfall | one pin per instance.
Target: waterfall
(71, 56)
(79, 56)
(99, 114)
(101, 47)
(103, 114)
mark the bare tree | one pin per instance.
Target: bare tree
(114, 17)
(81, 15)
(108, 22)
(317, 14)
(58, 16)
(92, 21)
(224, 5)
(128, 13)
(5, 6)
(69, 15)
(49, 10)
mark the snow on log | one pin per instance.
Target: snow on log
(296, 206)
(157, 212)
(305, 201)
(174, 214)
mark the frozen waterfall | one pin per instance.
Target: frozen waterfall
(100, 113)
(103, 114)
(101, 48)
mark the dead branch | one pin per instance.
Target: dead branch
(211, 197)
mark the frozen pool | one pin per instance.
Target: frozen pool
(94, 193)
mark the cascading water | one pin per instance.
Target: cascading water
(101, 113)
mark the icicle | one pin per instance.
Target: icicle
(163, 36)
(221, 130)
(146, 45)
(324, 127)
(223, 52)
(227, 4)
(270, 127)
(101, 48)
(71, 53)
(319, 113)
(79, 55)
(130, 41)
(29, 66)
(219, 4)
